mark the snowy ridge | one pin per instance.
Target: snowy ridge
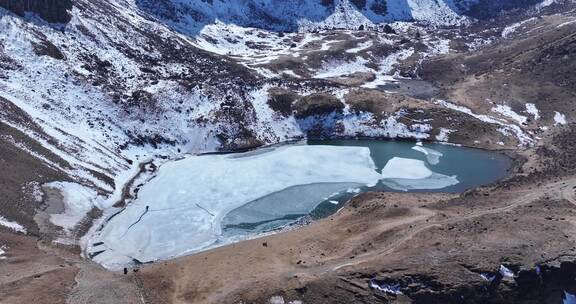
(345, 16)
(190, 16)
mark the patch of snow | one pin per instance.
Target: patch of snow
(337, 69)
(559, 118)
(506, 129)
(65, 241)
(478, 43)
(12, 225)
(391, 127)
(394, 288)
(386, 66)
(290, 73)
(566, 23)
(532, 110)
(545, 3)
(440, 46)
(444, 134)
(2, 252)
(353, 190)
(360, 47)
(508, 112)
(506, 272)
(488, 277)
(509, 30)
(284, 128)
(34, 191)
(78, 201)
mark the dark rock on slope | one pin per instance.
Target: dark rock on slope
(55, 11)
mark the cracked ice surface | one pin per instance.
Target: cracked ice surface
(181, 209)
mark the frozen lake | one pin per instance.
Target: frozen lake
(201, 202)
(450, 169)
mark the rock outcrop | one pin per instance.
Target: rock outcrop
(55, 11)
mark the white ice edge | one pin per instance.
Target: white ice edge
(405, 174)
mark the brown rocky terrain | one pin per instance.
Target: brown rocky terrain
(534, 67)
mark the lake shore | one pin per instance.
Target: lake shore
(430, 246)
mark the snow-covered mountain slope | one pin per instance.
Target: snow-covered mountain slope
(110, 80)
(190, 16)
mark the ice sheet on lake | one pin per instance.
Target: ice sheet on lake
(405, 168)
(290, 202)
(432, 156)
(406, 174)
(181, 209)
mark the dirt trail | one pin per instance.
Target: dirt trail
(560, 190)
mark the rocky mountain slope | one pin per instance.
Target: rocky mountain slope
(49, 10)
(92, 91)
(190, 16)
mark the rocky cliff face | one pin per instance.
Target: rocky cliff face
(50, 10)
(490, 8)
